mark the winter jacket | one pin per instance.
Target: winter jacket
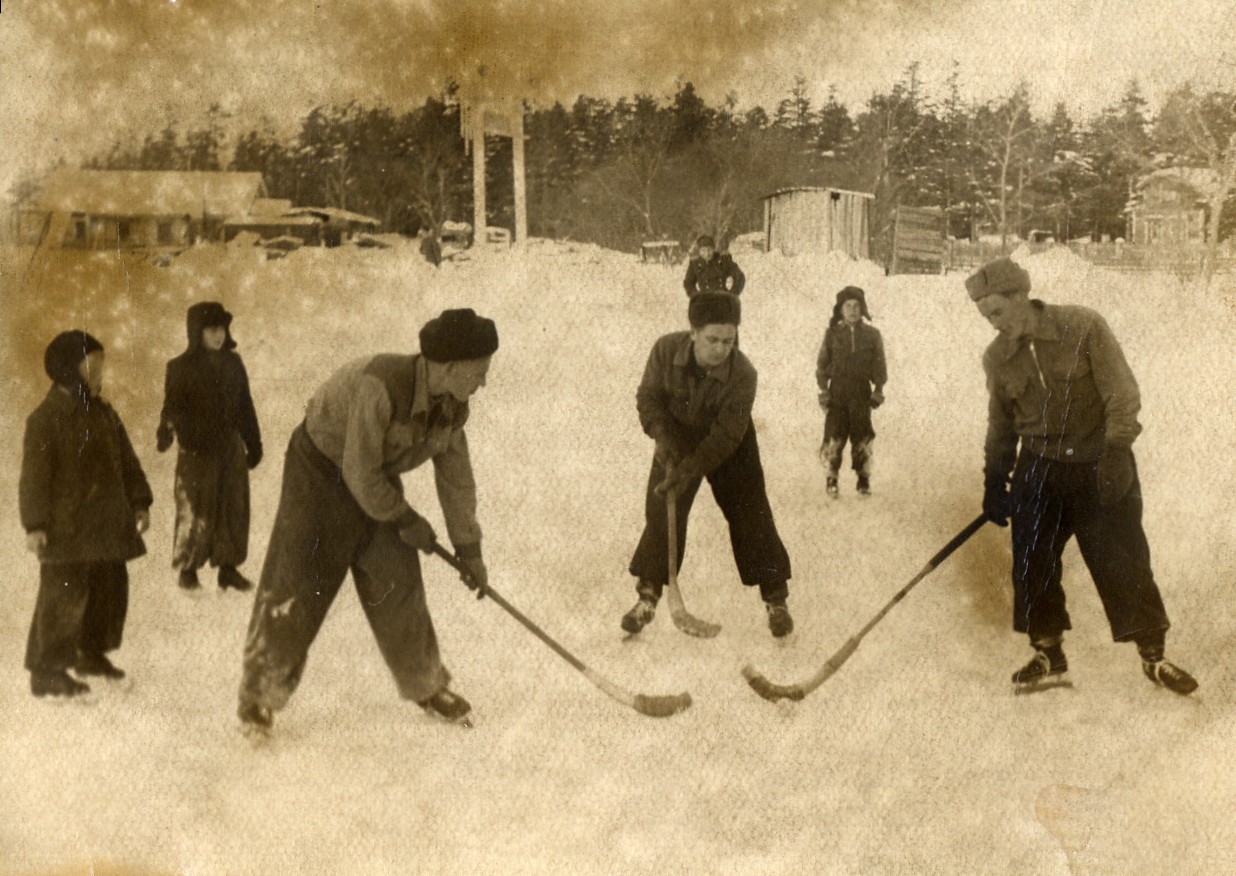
(375, 419)
(206, 399)
(718, 274)
(81, 482)
(851, 363)
(709, 410)
(1065, 391)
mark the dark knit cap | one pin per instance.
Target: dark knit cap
(63, 357)
(705, 241)
(456, 335)
(714, 308)
(1003, 276)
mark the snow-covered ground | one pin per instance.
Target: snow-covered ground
(914, 758)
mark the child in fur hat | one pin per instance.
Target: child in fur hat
(851, 373)
(84, 503)
(208, 407)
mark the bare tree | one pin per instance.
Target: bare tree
(1202, 128)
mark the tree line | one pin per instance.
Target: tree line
(621, 172)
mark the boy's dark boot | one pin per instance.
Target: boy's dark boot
(255, 720)
(864, 485)
(56, 683)
(831, 487)
(97, 664)
(188, 580)
(229, 576)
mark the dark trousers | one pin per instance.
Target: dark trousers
(80, 607)
(848, 423)
(320, 533)
(1054, 501)
(738, 486)
(212, 507)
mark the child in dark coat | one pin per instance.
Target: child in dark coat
(207, 406)
(84, 503)
(851, 374)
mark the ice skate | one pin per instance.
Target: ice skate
(1170, 676)
(640, 615)
(780, 623)
(448, 706)
(1048, 668)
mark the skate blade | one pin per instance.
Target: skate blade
(1033, 687)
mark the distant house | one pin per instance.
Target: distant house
(814, 219)
(337, 225)
(1169, 207)
(129, 209)
(272, 218)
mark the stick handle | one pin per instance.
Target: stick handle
(516, 613)
(671, 517)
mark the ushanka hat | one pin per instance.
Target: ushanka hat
(705, 241)
(456, 335)
(1003, 276)
(851, 293)
(63, 357)
(714, 308)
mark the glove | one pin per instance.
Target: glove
(824, 399)
(676, 481)
(476, 577)
(1115, 474)
(141, 520)
(416, 531)
(997, 502)
(877, 398)
(163, 438)
(668, 454)
(253, 456)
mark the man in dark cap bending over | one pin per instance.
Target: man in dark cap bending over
(342, 508)
(695, 401)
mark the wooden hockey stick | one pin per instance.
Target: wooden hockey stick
(773, 692)
(653, 706)
(683, 619)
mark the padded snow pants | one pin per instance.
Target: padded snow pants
(212, 507)
(80, 607)
(1054, 501)
(738, 487)
(319, 534)
(848, 423)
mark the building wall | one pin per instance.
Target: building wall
(817, 221)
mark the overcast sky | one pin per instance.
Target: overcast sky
(77, 73)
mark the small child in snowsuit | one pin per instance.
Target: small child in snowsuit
(84, 503)
(207, 406)
(851, 374)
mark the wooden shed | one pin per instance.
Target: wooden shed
(815, 219)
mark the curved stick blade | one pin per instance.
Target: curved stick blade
(694, 626)
(770, 691)
(662, 706)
